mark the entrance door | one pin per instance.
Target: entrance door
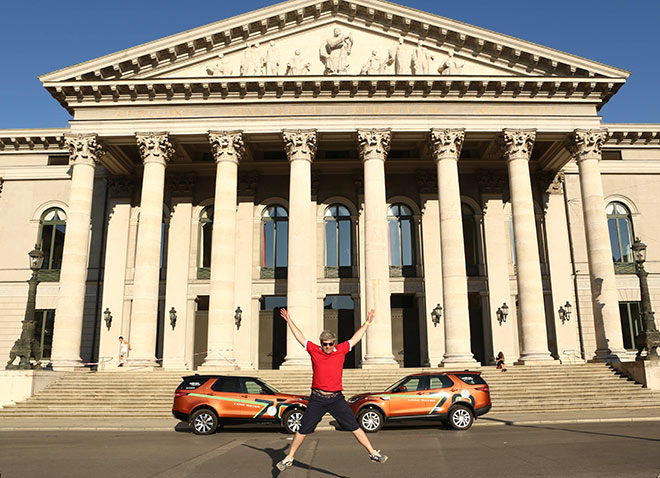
(201, 331)
(43, 332)
(476, 328)
(272, 333)
(405, 330)
(339, 316)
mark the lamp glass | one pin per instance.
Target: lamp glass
(36, 258)
(639, 251)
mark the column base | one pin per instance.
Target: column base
(535, 363)
(67, 365)
(459, 361)
(219, 365)
(146, 364)
(608, 356)
(175, 365)
(301, 363)
(380, 362)
(459, 365)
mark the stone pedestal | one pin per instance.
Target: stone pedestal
(646, 372)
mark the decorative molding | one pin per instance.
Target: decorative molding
(83, 148)
(447, 143)
(182, 185)
(587, 143)
(227, 145)
(493, 183)
(154, 147)
(427, 181)
(247, 183)
(300, 144)
(517, 143)
(374, 143)
(552, 183)
(121, 186)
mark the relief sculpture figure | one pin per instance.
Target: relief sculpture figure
(297, 65)
(250, 61)
(334, 52)
(271, 62)
(374, 65)
(451, 66)
(221, 68)
(421, 60)
(401, 56)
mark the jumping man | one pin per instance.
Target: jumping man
(326, 396)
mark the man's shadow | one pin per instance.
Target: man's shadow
(277, 455)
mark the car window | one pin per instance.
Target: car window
(191, 383)
(414, 383)
(227, 384)
(471, 378)
(252, 386)
(440, 381)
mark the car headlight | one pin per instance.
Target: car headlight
(354, 399)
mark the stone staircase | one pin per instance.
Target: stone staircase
(149, 394)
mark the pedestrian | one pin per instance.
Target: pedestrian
(124, 347)
(499, 362)
(327, 396)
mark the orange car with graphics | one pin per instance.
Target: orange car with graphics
(456, 398)
(209, 402)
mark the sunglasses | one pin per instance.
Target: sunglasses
(328, 344)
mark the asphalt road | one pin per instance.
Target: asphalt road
(590, 450)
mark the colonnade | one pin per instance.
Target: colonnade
(373, 146)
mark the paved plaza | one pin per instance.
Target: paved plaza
(545, 450)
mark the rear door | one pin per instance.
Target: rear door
(439, 394)
(232, 401)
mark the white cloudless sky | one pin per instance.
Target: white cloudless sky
(39, 36)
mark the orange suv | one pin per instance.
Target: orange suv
(208, 402)
(456, 398)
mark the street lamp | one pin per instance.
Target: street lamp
(649, 337)
(173, 317)
(238, 316)
(107, 316)
(436, 314)
(26, 346)
(502, 313)
(565, 312)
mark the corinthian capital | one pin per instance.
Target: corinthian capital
(587, 143)
(517, 143)
(154, 147)
(374, 143)
(227, 145)
(447, 143)
(300, 143)
(83, 148)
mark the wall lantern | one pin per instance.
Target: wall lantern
(36, 258)
(107, 316)
(173, 317)
(238, 317)
(502, 312)
(436, 314)
(565, 312)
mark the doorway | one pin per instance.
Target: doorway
(476, 327)
(339, 316)
(272, 332)
(200, 346)
(405, 330)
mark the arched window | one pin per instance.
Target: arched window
(470, 236)
(402, 257)
(621, 233)
(274, 242)
(53, 230)
(338, 241)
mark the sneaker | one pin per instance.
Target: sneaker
(284, 464)
(378, 457)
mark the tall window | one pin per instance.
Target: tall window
(400, 220)
(338, 241)
(631, 323)
(53, 230)
(470, 241)
(620, 227)
(204, 243)
(274, 242)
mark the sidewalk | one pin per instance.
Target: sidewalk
(170, 424)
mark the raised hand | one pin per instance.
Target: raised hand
(285, 314)
(371, 315)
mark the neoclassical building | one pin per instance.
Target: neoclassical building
(330, 157)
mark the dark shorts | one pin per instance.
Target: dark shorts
(335, 406)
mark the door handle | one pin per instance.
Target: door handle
(420, 393)
(244, 396)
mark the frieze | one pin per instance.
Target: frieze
(182, 185)
(121, 186)
(374, 143)
(83, 148)
(154, 147)
(247, 183)
(427, 181)
(493, 183)
(587, 144)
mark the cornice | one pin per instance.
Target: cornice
(259, 25)
(22, 140)
(637, 135)
(72, 94)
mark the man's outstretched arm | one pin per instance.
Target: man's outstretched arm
(296, 331)
(359, 333)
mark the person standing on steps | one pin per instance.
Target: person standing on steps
(124, 347)
(326, 396)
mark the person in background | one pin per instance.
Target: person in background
(499, 362)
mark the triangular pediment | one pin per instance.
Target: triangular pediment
(240, 46)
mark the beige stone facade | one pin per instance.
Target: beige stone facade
(331, 157)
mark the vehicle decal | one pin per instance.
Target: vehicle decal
(464, 396)
(263, 403)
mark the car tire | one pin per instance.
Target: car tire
(460, 418)
(370, 420)
(204, 422)
(292, 419)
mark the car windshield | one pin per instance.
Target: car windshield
(269, 386)
(396, 384)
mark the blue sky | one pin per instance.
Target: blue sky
(42, 36)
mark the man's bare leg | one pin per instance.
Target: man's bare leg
(364, 440)
(298, 439)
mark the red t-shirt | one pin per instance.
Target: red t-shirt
(328, 368)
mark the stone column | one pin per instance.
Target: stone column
(446, 145)
(300, 148)
(155, 150)
(373, 146)
(228, 148)
(84, 152)
(517, 148)
(497, 265)
(178, 267)
(586, 146)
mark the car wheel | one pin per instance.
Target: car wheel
(370, 420)
(292, 419)
(460, 418)
(204, 422)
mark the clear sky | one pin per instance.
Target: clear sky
(40, 36)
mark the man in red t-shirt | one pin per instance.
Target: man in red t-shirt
(326, 396)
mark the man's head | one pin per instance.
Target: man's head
(328, 340)
(121, 339)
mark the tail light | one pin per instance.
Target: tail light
(483, 388)
(178, 394)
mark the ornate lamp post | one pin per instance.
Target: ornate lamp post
(649, 337)
(27, 346)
